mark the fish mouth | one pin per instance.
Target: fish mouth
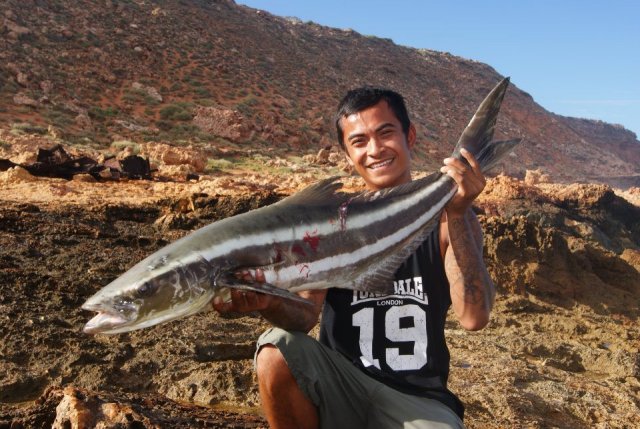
(105, 321)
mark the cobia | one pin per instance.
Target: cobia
(318, 238)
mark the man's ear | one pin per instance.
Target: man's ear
(346, 155)
(411, 136)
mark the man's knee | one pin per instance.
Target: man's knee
(283, 402)
(271, 365)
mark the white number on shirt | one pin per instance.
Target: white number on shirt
(364, 319)
(417, 333)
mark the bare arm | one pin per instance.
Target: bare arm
(283, 313)
(295, 316)
(472, 291)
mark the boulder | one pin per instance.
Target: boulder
(22, 99)
(149, 90)
(46, 86)
(226, 123)
(16, 174)
(84, 121)
(15, 30)
(173, 155)
(22, 79)
(534, 177)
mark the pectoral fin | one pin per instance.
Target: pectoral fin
(266, 288)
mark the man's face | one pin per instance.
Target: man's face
(376, 146)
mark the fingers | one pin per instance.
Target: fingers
(470, 159)
(465, 175)
(469, 179)
(245, 301)
(250, 301)
(247, 275)
(463, 167)
(221, 306)
(242, 302)
(260, 276)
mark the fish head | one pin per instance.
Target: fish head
(156, 290)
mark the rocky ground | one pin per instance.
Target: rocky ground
(560, 351)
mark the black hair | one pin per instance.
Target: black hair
(364, 97)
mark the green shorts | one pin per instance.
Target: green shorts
(348, 398)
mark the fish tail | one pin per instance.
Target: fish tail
(493, 152)
(476, 137)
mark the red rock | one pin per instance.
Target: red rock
(225, 123)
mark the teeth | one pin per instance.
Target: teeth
(381, 164)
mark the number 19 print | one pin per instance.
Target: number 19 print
(405, 324)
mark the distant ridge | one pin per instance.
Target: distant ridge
(99, 71)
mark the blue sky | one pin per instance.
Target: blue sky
(576, 58)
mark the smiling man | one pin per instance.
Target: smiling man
(381, 361)
(377, 144)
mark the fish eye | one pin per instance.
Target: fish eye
(145, 289)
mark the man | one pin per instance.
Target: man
(381, 361)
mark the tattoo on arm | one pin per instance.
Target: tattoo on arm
(464, 265)
(469, 284)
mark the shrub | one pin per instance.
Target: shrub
(219, 164)
(25, 127)
(202, 92)
(176, 86)
(122, 144)
(177, 112)
(100, 114)
(132, 96)
(246, 106)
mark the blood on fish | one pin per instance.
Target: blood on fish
(297, 249)
(312, 239)
(303, 268)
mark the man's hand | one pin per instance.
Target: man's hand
(245, 301)
(470, 182)
(280, 312)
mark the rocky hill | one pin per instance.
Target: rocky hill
(225, 76)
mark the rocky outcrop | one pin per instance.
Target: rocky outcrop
(226, 123)
(24, 100)
(170, 155)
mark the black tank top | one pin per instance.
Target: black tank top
(398, 339)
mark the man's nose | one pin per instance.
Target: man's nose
(374, 147)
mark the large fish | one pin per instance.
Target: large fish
(318, 238)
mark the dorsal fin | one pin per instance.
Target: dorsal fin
(321, 193)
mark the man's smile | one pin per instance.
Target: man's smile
(380, 164)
